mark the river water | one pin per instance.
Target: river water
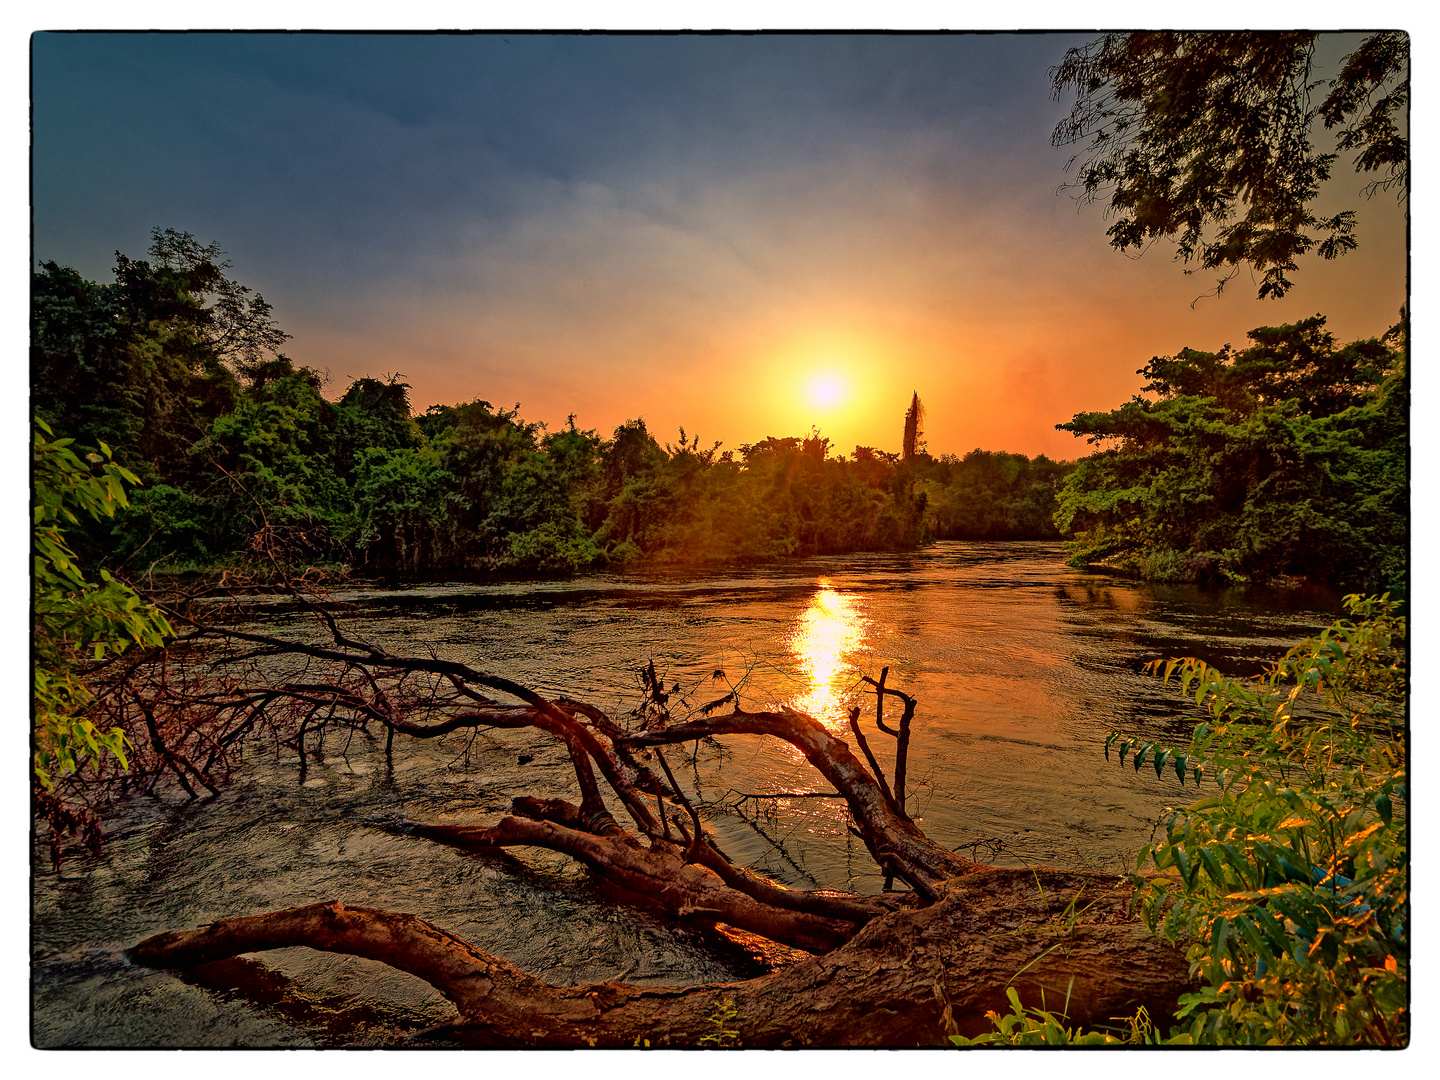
(1020, 664)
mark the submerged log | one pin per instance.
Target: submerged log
(909, 978)
(658, 877)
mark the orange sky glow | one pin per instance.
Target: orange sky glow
(696, 231)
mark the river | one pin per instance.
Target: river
(1020, 664)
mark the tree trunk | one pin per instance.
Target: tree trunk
(896, 842)
(658, 876)
(907, 979)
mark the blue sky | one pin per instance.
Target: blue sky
(685, 228)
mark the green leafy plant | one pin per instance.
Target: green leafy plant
(724, 1036)
(77, 620)
(1288, 883)
(1023, 1026)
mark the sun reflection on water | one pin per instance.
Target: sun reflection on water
(825, 638)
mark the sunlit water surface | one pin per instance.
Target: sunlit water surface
(1019, 663)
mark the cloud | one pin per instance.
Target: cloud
(672, 227)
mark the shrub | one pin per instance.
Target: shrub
(1288, 885)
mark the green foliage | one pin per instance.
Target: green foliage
(171, 524)
(246, 460)
(992, 496)
(275, 452)
(403, 524)
(1037, 1026)
(77, 620)
(724, 1036)
(784, 497)
(1287, 458)
(1183, 131)
(1288, 883)
(373, 415)
(146, 363)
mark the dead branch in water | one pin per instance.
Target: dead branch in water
(889, 970)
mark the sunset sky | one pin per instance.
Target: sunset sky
(743, 235)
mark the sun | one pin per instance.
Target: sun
(827, 390)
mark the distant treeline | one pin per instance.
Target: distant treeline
(176, 367)
(992, 495)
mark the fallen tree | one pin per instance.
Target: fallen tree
(903, 968)
(908, 978)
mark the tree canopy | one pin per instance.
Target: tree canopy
(176, 366)
(1209, 140)
(1283, 459)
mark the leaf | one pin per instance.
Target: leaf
(1160, 761)
(1124, 749)
(1251, 935)
(1180, 762)
(1219, 935)
(1140, 755)
(1382, 804)
(1274, 932)
(1183, 862)
(1363, 835)
(1212, 866)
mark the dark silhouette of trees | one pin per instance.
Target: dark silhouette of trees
(913, 441)
(1209, 139)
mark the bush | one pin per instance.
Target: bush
(1288, 886)
(553, 548)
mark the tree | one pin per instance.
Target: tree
(1181, 132)
(148, 365)
(992, 495)
(402, 513)
(1287, 458)
(148, 362)
(233, 321)
(913, 442)
(272, 463)
(373, 414)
